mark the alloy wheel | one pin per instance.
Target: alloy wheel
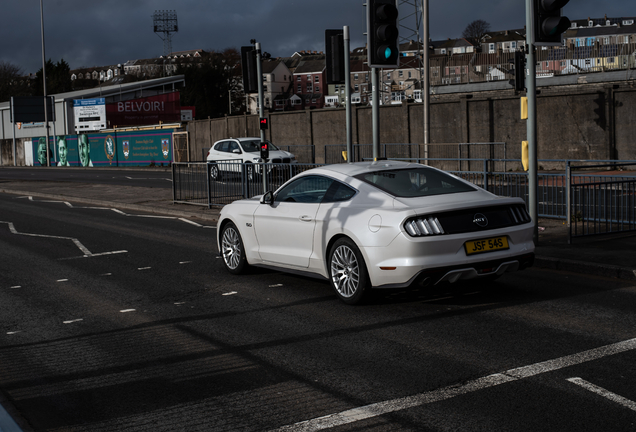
(345, 271)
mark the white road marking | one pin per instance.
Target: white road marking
(605, 393)
(144, 268)
(121, 212)
(229, 293)
(127, 310)
(72, 321)
(14, 332)
(16, 287)
(190, 222)
(179, 303)
(185, 262)
(75, 241)
(106, 274)
(381, 408)
(277, 285)
(62, 280)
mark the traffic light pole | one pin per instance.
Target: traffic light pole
(347, 68)
(375, 112)
(259, 79)
(531, 125)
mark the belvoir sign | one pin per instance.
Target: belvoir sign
(165, 108)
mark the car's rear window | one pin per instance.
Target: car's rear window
(415, 182)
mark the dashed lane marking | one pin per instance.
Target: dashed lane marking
(72, 321)
(605, 393)
(127, 310)
(386, 407)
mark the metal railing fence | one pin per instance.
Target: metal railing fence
(591, 203)
(221, 182)
(600, 205)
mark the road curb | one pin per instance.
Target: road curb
(574, 266)
(213, 217)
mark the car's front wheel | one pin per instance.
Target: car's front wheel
(347, 272)
(232, 249)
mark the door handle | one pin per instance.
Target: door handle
(305, 218)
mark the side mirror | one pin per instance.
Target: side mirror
(268, 198)
(236, 151)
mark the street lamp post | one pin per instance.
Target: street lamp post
(46, 114)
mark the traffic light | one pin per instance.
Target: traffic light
(548, 22)
(264, 150)
(335, 56)
(520, 71)
(248, 64)
(264, 124)
(383, 48)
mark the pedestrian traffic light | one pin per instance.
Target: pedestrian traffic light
(548, 22)
(335, 56)
(520, 71)
(264, 150)
(248, 64)
(383, 48)
(264, 124)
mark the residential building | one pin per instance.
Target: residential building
(309, 84)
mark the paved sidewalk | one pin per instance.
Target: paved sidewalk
(611, 256)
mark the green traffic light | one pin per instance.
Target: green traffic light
(387, 53)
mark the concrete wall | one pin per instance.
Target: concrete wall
(6, 152)
(581, 121)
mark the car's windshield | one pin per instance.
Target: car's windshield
(254, 146)
(415, 182)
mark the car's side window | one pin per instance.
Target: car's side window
(223, 146)
(309, 189)
(233, 145)
(339, 192)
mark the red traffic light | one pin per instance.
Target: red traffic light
(264, 123)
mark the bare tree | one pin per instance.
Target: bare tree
(11, 82)
(475, 31)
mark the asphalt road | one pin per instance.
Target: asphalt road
(111, 321)
(148, 177)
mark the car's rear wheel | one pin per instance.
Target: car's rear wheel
(232, 249)
(215, 173)
(348, 272)
(250, 171)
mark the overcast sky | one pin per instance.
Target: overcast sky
(87, 33)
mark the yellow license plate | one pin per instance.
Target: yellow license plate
(486, 245)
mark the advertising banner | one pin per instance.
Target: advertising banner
(134, 148)
(165, 108)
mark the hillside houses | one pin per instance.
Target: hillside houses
(298, 82)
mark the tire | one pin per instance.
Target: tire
(232, 250)
(215, 173)
(250, 171)
(348, 273)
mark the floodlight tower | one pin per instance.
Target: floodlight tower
(165, 21)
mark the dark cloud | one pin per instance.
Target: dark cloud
(87, 33)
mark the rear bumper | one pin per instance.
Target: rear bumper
(456, 273)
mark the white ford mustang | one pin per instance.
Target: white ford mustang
(384, 224)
